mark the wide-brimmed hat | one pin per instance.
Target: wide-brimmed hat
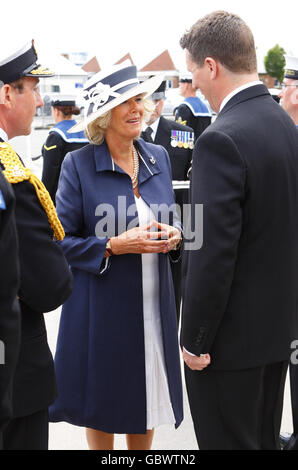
(22, 63)
(104, 91)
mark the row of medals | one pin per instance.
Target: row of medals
(182, 139)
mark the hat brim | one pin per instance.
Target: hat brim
(147, 88)
(40, 72)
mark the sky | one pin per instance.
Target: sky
(110, 29)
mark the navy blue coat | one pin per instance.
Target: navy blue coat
(100, 357)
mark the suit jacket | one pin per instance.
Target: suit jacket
(241, 288)
(46, 283)
(10, 324)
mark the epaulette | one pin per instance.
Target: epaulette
(15, 172)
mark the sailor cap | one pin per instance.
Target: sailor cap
(64, 100)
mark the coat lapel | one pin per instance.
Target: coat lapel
(163, 133)
(245, 95)
(103, 159)
(149, 165)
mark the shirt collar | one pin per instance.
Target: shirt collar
(154, 127)
(237, 90)
(148, 166)
(3, 135)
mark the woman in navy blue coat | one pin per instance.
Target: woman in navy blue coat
(117, 358)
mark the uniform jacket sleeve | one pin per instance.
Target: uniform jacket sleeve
(218, 182)
(85, 253)
(183, 115)
(9, 308)
(53, 153)
(46, 280)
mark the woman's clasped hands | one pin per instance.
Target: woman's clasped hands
(152, 238)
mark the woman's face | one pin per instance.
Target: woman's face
(127, 118)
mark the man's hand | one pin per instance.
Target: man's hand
(196, 362)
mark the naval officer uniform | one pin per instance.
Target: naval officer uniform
(45, 278)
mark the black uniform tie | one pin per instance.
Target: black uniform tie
(147, 134)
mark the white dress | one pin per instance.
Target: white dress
(159, 408)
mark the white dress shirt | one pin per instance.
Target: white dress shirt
(237, 90)
(154, 127)
(3, 135)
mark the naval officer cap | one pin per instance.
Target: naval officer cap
(185, 77)
(159, 94)
(22, 63)
(291, 68)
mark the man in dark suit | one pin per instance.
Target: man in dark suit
(289, 102)
(10, 325)
(240, 304)
(178, 140)
(46, 281)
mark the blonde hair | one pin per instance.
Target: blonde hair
(96, 130)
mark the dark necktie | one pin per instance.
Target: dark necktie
(147, 134)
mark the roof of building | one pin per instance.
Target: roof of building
(92, 65)
(124, 58)
(160, 63)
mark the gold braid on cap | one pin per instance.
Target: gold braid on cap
(15, 172)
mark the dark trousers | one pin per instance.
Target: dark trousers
(294, 396)
(237, 410)
(181, 196)
(176, 269)
(293, 442)
(27, 433)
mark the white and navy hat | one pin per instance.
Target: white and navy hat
(291, 68)
(64, 100)
(22, 63)
(104, 91)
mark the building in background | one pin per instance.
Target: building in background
(163, 63)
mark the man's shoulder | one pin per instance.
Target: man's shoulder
(174, 125)
(183, 107)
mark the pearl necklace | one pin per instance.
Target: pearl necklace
(135, 176)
